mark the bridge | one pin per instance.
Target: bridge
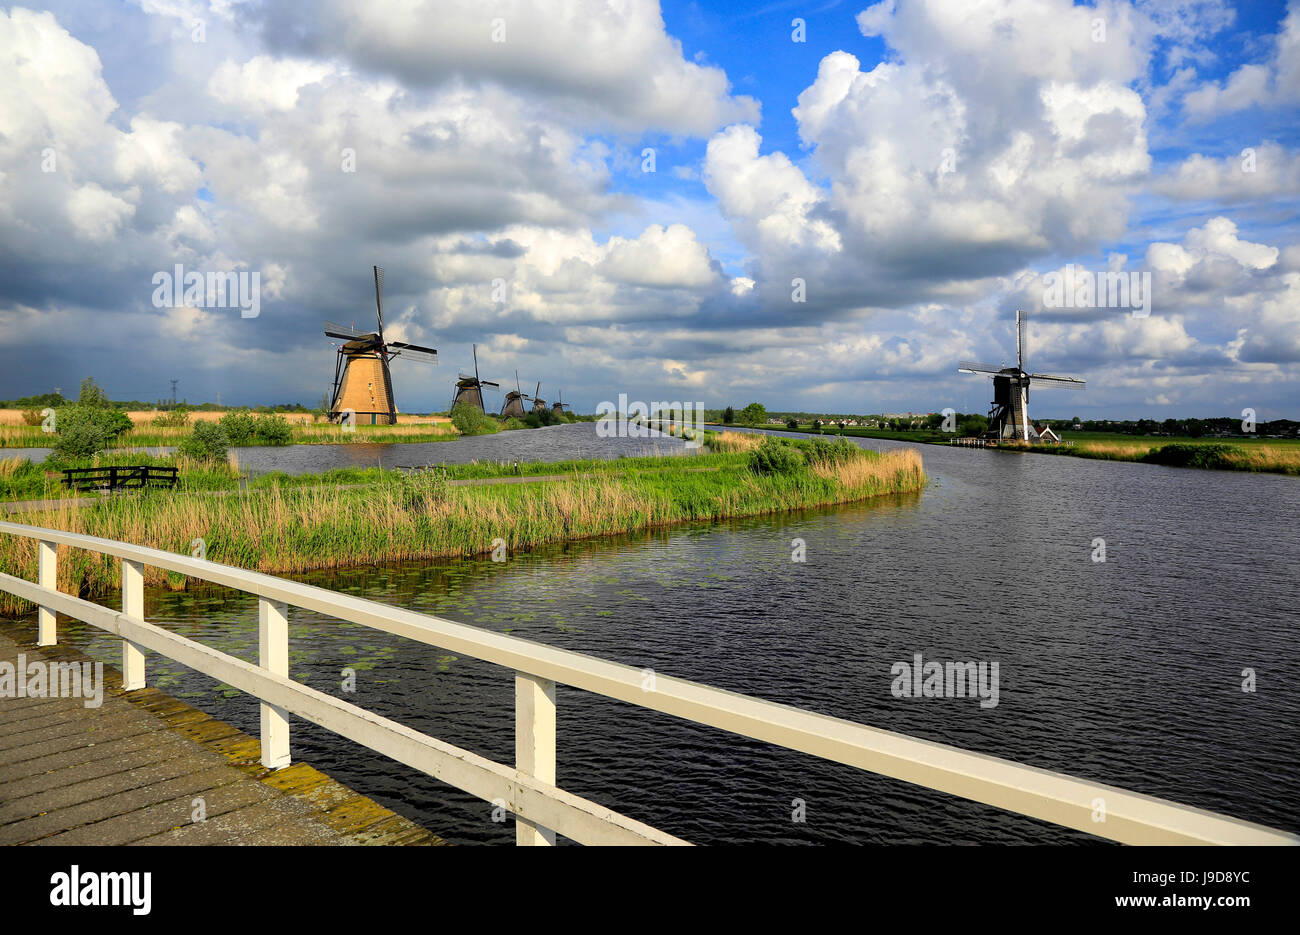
(527, 787)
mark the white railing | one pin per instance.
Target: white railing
(528, 788)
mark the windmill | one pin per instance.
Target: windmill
(538, 403)
(559, 406)
(1009, 417)
(469, 390)
(514, 404)
(362, 380)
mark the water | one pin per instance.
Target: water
(1126, 672)
(552, 443)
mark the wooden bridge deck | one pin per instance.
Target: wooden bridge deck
(129, 772)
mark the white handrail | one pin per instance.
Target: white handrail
(1098, 809)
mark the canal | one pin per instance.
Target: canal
(1127, 671)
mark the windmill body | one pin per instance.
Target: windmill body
(1009, 415)
(469, 390)
(363, 382)
(559, 405)
(539, 404)
(513, 407)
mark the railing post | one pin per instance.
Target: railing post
(273, 656)
(534, 746)
(132, 606)
(47, 576)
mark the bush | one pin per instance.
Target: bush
(792, 423)
(273, 430)
(32, 417)
(239, 427)
(828, 454)
(512, 423)
(1214, 456)
(173, 418)
(776, 457)
(470, 420)
(208, 442)
(83, 431)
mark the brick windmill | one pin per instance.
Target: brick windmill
(469, 390)
(514, 402)
(363, 383)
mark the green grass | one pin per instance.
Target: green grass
(283, 527)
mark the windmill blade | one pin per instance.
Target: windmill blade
(379, 298)
(414, 352)
(495, 386)
(970, 366)
(1069, 383)
(335, 330)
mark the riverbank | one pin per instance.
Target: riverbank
(145, 435)
(1272, 456)
(283, 527)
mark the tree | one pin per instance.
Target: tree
(207, 442)
(728, 416)
(792, 423)
(92, 395)
(753, 414)
(85, 430)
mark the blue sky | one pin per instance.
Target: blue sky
(919, 166)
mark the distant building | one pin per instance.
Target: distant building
(1046, 435)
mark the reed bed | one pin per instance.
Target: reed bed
(735, 441)
(287, 528)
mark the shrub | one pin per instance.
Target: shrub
(86, 430)
(470, 420)
(1215, 456)
(272, 429)
(792, 423)
(776, 457)
(175, 417)
(239, 426)
(32, 417)
(829, 454)
(512, 423)
(208, 442)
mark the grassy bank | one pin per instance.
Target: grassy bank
(1273, 455)
(285, 528)
(145, 435)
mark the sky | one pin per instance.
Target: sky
(820, 206)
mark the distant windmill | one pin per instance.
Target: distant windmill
(538, 403)
(514, 404)
(559, 406)
(362, 381)
(1009, 417)
(469, 390)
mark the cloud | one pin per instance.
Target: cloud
(605, 63)
(1259, 172)
(1273, 83)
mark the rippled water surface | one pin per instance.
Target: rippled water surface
(1127, 672)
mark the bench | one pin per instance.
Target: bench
(126, 477)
